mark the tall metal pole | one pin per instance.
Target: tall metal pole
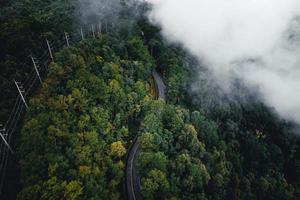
(106, 28)
(93, 30)
(100, 28)
(21, 93)
(50, 50)
(2, 131)
(67, 38)
(36, 69)
(81, 32)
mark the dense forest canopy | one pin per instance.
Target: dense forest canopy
(99, 96)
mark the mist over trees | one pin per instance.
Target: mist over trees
(232, 42)
(99, 96)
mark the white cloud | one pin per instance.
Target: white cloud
(253, 40)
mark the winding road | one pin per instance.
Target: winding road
(160, 86)
(132, 182)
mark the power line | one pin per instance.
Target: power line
(21, 91)
(50, 49)
(34, 62)
(3, 136)
(67, 38)
(24, 90)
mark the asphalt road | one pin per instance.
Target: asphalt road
(132, 182)
(160, 86)
(131, 178)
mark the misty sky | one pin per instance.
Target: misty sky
(256, 41)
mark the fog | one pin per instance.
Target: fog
(107, 11)
(255, 41)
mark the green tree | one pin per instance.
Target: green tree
(117, 149)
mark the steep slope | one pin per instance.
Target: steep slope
(77, 131)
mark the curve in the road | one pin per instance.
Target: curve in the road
(131, 182)
(160, 86)
(131, 175)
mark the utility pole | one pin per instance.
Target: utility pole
(106, 28)
(93, 30)
(67, 38)
(81, 32)
(50, 49)
(36, 68)
(3, 136)
(99, 29)
(21, 92)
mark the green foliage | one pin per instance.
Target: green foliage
(117, 149)
(154, 183)
(96, 99)
(230, 151)
(170, 144)
(79, 121)
(24, 26)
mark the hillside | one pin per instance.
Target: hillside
(103, 106)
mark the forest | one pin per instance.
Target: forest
(99, 97)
